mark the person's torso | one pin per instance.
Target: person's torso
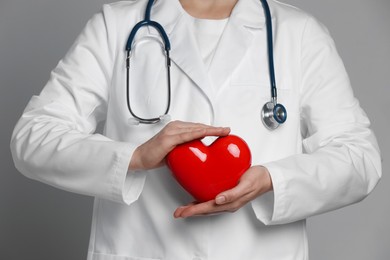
(231, 93)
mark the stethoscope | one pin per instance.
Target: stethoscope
(273, 113)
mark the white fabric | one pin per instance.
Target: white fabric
(324, 157)
(207, 34)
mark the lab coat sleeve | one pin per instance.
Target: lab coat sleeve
(340, 163)
(54, 141)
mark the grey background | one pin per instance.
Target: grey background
(40, 222)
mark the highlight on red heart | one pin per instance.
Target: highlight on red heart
(205, 171)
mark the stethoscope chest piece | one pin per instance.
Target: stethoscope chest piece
(273, 115)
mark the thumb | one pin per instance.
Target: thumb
(233, 194)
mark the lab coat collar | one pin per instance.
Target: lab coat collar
(232, 47)
(249, 13)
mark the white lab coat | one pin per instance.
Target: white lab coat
(323, 158)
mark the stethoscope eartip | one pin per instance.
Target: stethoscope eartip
(165, 118)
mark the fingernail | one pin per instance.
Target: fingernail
(220, 199)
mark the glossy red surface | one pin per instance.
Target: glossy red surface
(205, 171)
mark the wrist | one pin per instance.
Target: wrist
(135, 162)
(266, 179)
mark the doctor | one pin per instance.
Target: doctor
(322, 158)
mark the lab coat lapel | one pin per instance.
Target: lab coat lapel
(236, 39)
(184, 50)
(185, 53)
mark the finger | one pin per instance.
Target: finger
(180, 209)
(198, 134)
(177, 131)
(177, 125)
(204, 208)
(191, 124)
(183, 124)
(243, 188)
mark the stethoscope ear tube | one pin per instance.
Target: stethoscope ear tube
(136, 120)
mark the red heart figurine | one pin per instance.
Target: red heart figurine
(205, 171)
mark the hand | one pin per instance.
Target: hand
(152, 153)
(254, 182)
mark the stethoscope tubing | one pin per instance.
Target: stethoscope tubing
(148, 120)
(270, 44)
